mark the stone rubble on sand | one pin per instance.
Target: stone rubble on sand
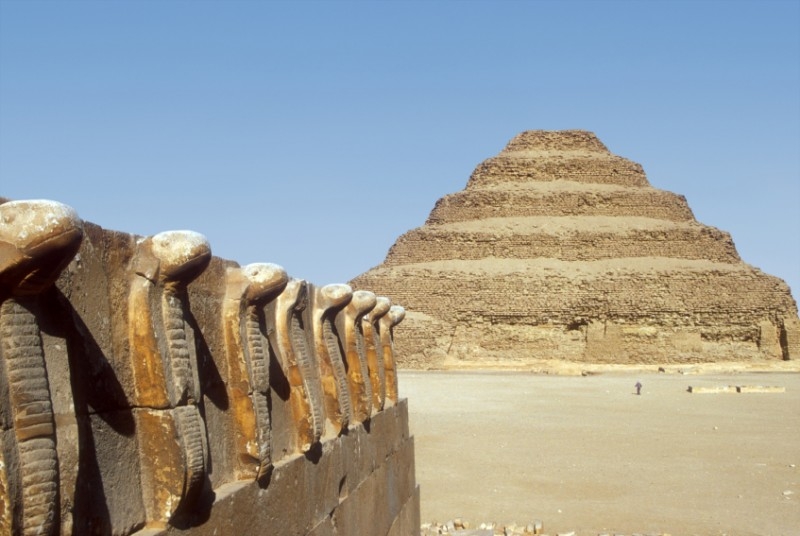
(459, 527)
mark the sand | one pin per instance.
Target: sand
(586, 454)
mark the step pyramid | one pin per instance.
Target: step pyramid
(558, 249)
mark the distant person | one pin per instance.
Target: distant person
(638, 388)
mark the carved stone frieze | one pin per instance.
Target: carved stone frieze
(351, 335)
(387, 323)
(374, 351)
(325, 303)
(285, 314)
(37, 240)
(147, 387)
(248, 289)
(172, 435)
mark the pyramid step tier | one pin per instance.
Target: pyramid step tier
(643, 290)
(563, 238)
(560, 141)
(586, 169)
(563, 199)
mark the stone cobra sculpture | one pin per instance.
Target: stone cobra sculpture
(172, 434)
(387, 323)
(348, 326)
(248, 289)
(37, 240)
(374, 351)
(325, 303)
(285, 316)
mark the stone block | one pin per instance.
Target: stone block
(407, 522)
(760, 389)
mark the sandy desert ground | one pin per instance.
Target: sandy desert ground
(586, 454)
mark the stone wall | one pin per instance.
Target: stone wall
(447, 241)
(560, 200)
(594, 169)
(559, 250)
(147, 387)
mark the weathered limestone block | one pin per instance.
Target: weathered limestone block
(325, 302)
(573, 155)
(509, 168)
(374, 351)
(37, 240)
(593, 238)
(790, 337)
(760, 389)
(247, 348)
(769, 340)
(364, 501)
(558, 199)
(351, 333)
(171, 431)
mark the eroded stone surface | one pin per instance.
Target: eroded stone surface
(147, 387)
(387, 323)
(172, 433)
(286, 315)
(248, 290)
(559, 250)
(143, 381)
(325, 303)
(37, 240)
(373, 348)
(350, 330)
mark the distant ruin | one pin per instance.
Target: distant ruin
(558, 249)
(147, 387)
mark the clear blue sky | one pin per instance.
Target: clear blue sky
(312, 134)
